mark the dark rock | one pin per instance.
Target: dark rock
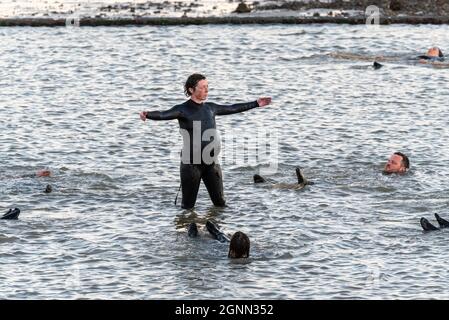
(242, 8)
(316, 14)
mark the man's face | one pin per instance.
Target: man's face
(201, 90)
(394, 165)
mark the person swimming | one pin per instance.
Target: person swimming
(434, 54)
(301, 183)
(12, 214)
(239, 244)
(427, 226)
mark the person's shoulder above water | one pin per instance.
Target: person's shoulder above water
(397, 163)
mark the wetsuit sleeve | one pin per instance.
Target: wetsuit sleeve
(173, 113)
(233, 108)
(440, 59)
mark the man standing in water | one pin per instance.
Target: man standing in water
(201, 146)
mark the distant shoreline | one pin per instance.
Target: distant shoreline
(172, 21)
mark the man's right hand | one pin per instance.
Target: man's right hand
(143, 115)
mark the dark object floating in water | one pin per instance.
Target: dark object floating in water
(12, 214)
(48, 189)
(377, 65)
(302, 181)
(395, 5)
(300, 176)
(443, 223)
(193, 230)
(427, 226)
(242, 8)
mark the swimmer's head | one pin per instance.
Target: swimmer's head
(398, 163)
(43, 173)
(435, 52)
(239, 246)
(196, 87)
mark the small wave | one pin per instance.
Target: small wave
(6, 239)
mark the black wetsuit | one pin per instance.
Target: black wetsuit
(432, 59)
(194, 121)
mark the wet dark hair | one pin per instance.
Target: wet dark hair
(239, 246)
(405, 160)
(192, 82)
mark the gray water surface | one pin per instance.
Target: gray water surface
(69, 101)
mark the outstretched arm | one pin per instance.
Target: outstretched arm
(171, 114)
(240, 107)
